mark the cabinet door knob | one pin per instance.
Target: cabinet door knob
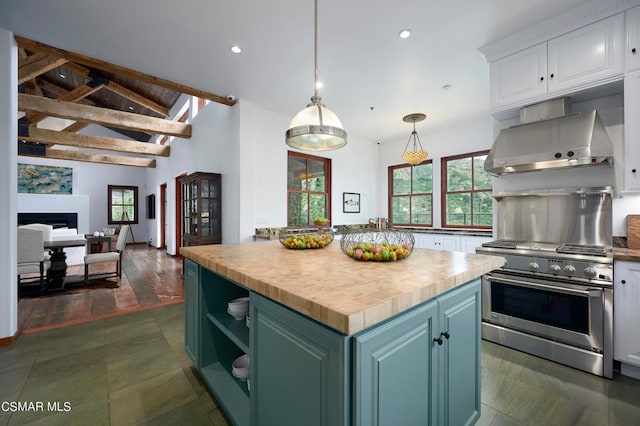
(551, 76)
(623, 282)
(633, 50)
(541, 78)
(438, 339)
(633, 170)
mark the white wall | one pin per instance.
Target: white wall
(90, 181)
(263, 177)
(474, 134)
(8, 184)
(213, 147)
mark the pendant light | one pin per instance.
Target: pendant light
(416, 156)
(316, 128)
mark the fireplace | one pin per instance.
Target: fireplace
(57, 220)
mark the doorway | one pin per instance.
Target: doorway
(163, 215)
(179, 212)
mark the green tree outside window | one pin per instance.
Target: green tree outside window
(466, 192)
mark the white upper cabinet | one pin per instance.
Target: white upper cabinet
(581, 59)
(632, 42)
(519, 77)
(587, 55)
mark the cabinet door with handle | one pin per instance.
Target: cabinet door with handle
(459, 373)
(394, 371)
(626, 317)
(632, 131)
(518, 77)
(632, 42)
(592, 53)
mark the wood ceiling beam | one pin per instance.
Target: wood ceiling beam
(35, 46)
(95, 142)
(36, 68)
(60, 91)
(87, 157)
(75, 127)
(102, 116)
(25, 59)
(137, 98)
(120, 89)
(75, 95)
(30, 87)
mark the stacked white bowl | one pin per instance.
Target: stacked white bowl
(241, 367)
(238, 308)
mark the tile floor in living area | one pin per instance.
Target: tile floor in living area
(132, 369)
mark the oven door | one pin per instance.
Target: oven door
(559, 311)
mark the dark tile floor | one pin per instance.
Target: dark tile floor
(132, 369)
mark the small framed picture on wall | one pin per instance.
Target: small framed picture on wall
(350, 202)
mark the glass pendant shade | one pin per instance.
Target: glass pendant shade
(316, 128)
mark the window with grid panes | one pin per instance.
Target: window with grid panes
(308, 188)
(411, 194)
(466, 192)
(122, 204)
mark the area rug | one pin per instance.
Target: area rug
(141, 287)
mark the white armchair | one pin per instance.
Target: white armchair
(112, 256)
(31, 257)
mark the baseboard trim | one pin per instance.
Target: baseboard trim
(6, 341)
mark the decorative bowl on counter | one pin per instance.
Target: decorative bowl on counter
(377, 245)
(306, 237)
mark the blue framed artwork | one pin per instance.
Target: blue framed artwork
(37, 179)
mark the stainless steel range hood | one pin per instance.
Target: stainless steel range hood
(550, 137)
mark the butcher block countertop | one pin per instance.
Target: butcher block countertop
(340, 292)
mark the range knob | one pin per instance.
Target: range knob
(569, 268)
(555, 269)
(590, 272)
(533, 266)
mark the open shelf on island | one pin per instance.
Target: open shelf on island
(236, 330)
(231, 393)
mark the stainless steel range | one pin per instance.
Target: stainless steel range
(553, 298)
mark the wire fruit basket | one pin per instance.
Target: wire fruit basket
(377, 245)
(306, 237)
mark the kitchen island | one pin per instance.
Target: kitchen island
(336, 341)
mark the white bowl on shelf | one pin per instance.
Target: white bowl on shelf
(238, 308)
(247, 321)
(238, 305)
(237, 315)
(241, 367)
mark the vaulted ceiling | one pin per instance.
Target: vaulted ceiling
(371, 77)
(56, 83)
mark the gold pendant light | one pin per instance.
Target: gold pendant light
(416, 156)
(316, 128)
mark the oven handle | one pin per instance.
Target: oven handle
(590, 292)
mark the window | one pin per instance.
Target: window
(466, 192)
(411, 194)
(123, 204)
(308, 188)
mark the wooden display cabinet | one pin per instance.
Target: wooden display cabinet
(201, 221)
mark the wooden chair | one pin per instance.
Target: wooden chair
(113, 256)
(32, 258)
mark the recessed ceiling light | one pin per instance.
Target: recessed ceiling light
(130, 108)
(62, 75)
(446, 87)
(236, 49)
(404, 33)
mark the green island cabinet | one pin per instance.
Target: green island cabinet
(420, 367)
